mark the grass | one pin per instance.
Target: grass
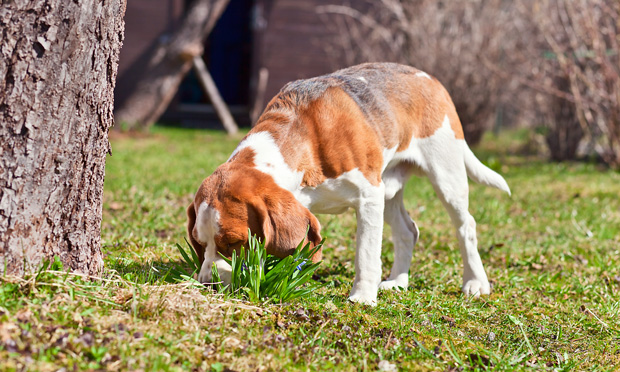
(261, 277)
(552, 252)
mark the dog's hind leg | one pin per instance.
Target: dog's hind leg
(449, 178)
(442, 157)
(404, 235)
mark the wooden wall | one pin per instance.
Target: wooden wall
(293, 43)
(145, 21)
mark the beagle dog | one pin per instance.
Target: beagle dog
(350, 139)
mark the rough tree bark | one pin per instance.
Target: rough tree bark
(168, 64)
(58, 63)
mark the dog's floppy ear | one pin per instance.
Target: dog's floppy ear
(314, 235)
(260, 223)
(191, 221)
(284, 222)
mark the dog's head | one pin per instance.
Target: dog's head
(234, 199)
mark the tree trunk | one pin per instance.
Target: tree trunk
(564, 131)
(168, 64)
(58, 63)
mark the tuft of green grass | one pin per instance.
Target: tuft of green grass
(256, 275)
(261, 276)
(186, 270)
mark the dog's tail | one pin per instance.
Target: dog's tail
(481, 173)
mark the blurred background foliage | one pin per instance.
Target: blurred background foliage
(551, 66)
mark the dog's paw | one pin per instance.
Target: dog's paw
(223, 268)
(225, 271)
(476, 287)
(396, 285)
(365, 296)
(364, 300)
(204, 276)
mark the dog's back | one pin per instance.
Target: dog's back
(396, 100)
(371, 111)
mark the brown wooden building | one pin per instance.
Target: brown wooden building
(289, 39)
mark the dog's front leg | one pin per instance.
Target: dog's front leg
(369, 215)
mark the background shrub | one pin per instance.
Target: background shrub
(538, 63)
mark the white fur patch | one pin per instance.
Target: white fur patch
(423, 74)
(206, 227)
(268, 159)
(207, 224)
(363, 79)
(335, 195)
(388, 155)
(421, 149)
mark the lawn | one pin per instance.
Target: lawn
(552, 253)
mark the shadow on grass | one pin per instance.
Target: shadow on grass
(335, 269)
(149, 272)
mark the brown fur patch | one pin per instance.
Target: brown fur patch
(332, 124)
(191, 222)
(330, 136)
(420, 105)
